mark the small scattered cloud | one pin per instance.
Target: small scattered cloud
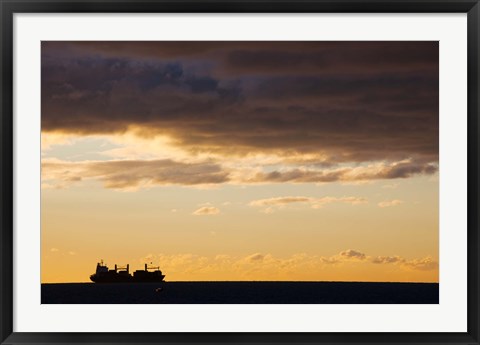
(349, 255)
(206, 211)
(353, 254)
(54, 250)
(345, 256)
(387, 259)
(257, 266)
(425, 264)
(255, 257)
(319, 203)
(280, 201)
(422, 264)
(390, 186)
(72, 253)
(390, 203)
(268, 210)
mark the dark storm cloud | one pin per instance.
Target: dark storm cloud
(135, 49)
(267, 57)
(350, 101)
(335, 57)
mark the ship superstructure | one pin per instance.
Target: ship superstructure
(122, 274)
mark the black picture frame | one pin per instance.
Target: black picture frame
(9, 8)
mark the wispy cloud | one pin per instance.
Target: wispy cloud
(206, 211)
(271, 204)
(424, 264)
(390, 203)
(255, 257)
(135, 174)
(387, 259)
(377, 171)
(352, 254)
(281, 201)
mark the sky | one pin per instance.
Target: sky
(228, 161)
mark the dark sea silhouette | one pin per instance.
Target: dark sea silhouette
(241, 293)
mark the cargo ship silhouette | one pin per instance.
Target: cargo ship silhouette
(122, 275)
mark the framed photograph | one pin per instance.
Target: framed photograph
(240, 172)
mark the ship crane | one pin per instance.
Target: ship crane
(124, 268)
(151, 268)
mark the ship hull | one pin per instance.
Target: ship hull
(126, 279)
